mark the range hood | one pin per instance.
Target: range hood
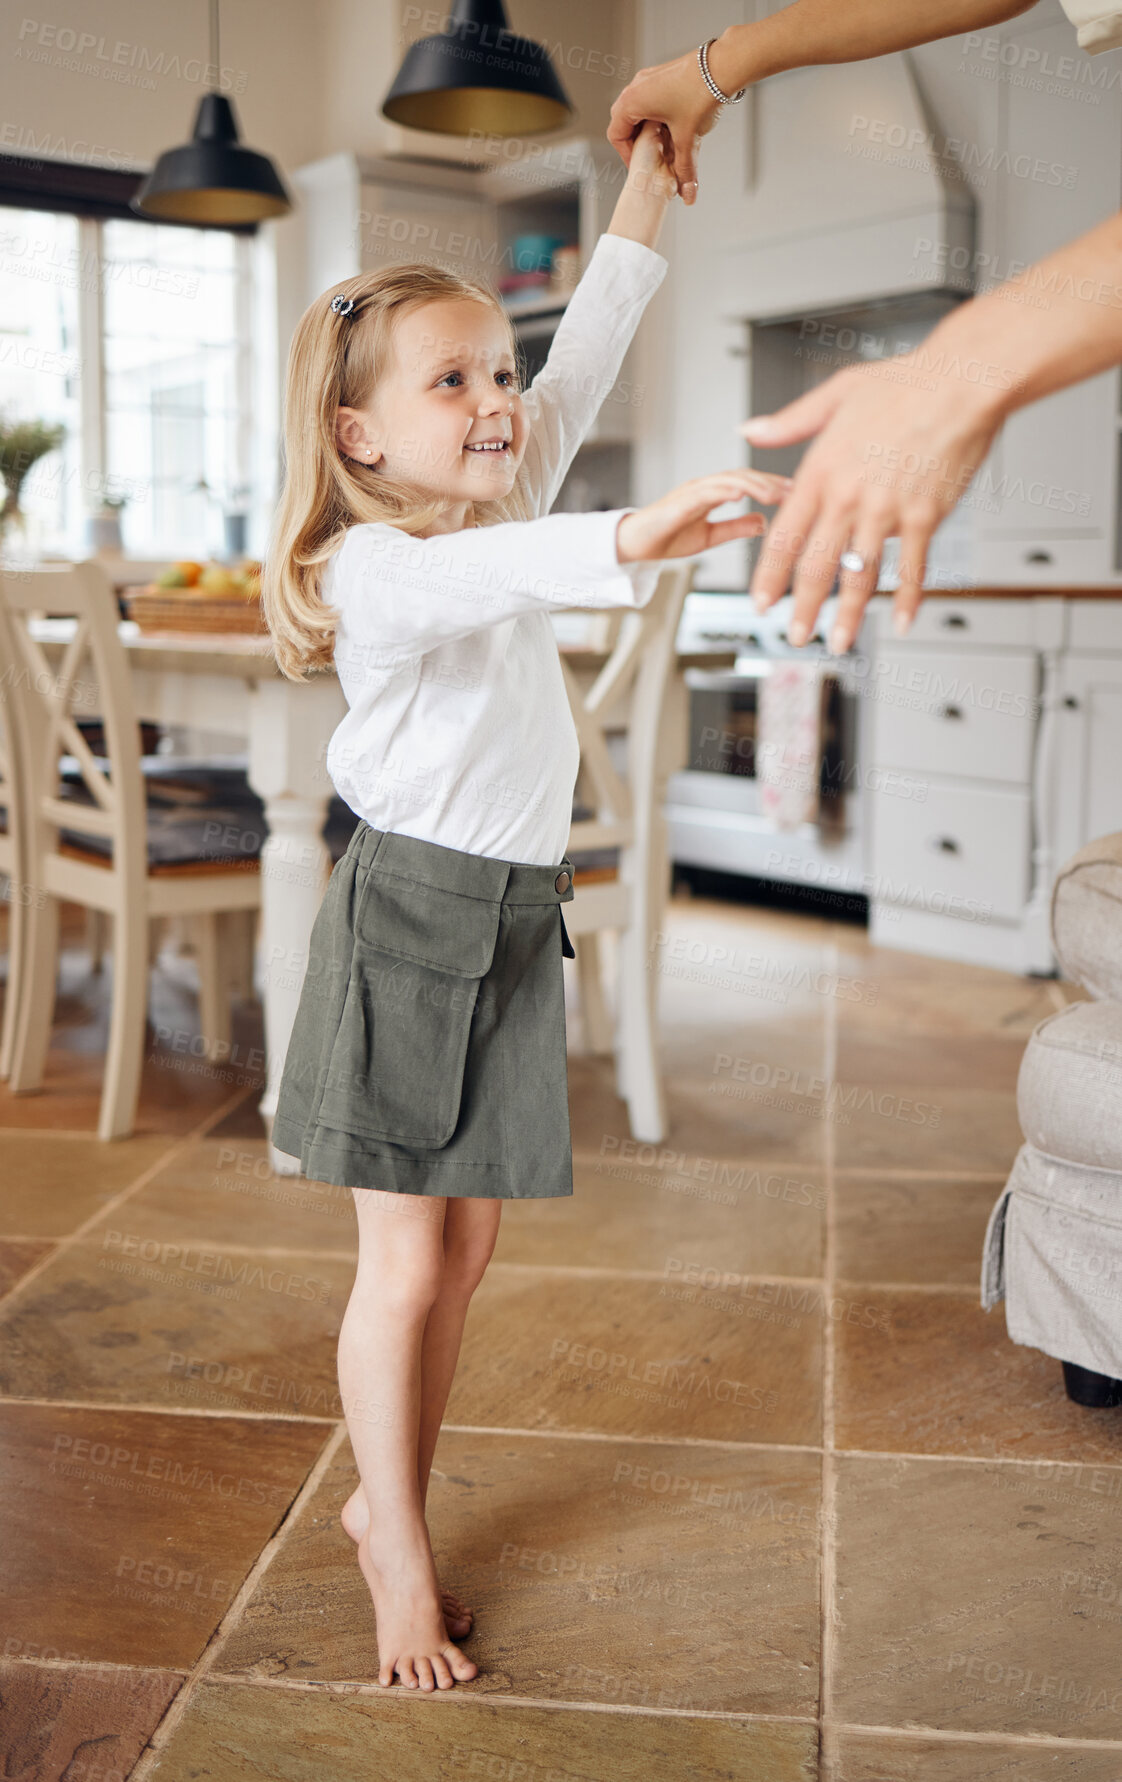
(853, 195)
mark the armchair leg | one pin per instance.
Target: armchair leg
(1084, 1387)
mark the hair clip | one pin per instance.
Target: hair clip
(342, 306)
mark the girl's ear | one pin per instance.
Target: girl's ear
(352, 436)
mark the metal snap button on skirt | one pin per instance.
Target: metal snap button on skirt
(428, 1051)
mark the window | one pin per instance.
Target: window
(40, 363)
(136, 337)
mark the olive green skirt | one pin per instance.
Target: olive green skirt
(428, 1051)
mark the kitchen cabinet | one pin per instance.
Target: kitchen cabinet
(967, 706)
(1011, 786)
(1089, 747)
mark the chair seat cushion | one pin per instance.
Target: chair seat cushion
(198, 816)
(1069, 1090)
(201, 813)
(1087, 917)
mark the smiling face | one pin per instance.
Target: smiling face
(448, 414)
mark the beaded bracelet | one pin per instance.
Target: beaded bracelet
(703, 64)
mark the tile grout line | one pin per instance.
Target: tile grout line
(650, 1439)
(150, 1757)
(453, 1698)
(191, 1137)
(828, 1561)
(952, 1736)
(572, 1271)
(310, 1686)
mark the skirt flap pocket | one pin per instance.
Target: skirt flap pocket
(396, 1070)
(427, 924)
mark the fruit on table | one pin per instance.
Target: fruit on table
(217, 583)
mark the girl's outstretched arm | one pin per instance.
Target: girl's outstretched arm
(400, 596)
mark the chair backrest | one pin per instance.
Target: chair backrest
(627, 695)
(80, 671)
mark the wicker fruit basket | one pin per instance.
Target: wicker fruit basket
(184, 609)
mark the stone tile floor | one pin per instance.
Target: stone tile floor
(740, 1480)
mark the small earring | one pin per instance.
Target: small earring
(369, 449)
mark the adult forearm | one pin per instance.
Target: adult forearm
(1055, 323)
(810, 32)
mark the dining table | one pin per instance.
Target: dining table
(229, 683)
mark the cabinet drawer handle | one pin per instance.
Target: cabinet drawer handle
(950, 711)
(1039, 557)
(946, 844)
(954, 622)
(1071, 704)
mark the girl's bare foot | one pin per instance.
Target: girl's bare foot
(412, 1637)
(458, 1617)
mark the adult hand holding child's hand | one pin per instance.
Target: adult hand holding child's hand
(678, 524)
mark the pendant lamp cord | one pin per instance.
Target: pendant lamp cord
(214, 46)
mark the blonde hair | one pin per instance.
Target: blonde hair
(335, 361)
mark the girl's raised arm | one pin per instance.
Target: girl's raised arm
(598, 326)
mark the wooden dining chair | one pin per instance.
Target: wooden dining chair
(618, 840)
(92, 843)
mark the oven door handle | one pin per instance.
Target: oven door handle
(725, 680)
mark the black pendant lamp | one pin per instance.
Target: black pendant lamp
(212, 179)
(477, 77)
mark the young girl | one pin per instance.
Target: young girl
(427, 1068)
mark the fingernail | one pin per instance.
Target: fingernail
(901, 623)
(756, 429)
(839, 642)
(760, 601)
(689, 191)
(797, 631)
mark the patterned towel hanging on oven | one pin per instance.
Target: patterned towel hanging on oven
(789, 742)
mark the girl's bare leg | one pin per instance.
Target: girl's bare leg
(469, 1232)
(397, 1283)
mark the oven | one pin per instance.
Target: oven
(714, 807)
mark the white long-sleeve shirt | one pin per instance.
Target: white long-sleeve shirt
(459, 729)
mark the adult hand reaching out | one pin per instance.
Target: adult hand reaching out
(898, 441)
(891, 458)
